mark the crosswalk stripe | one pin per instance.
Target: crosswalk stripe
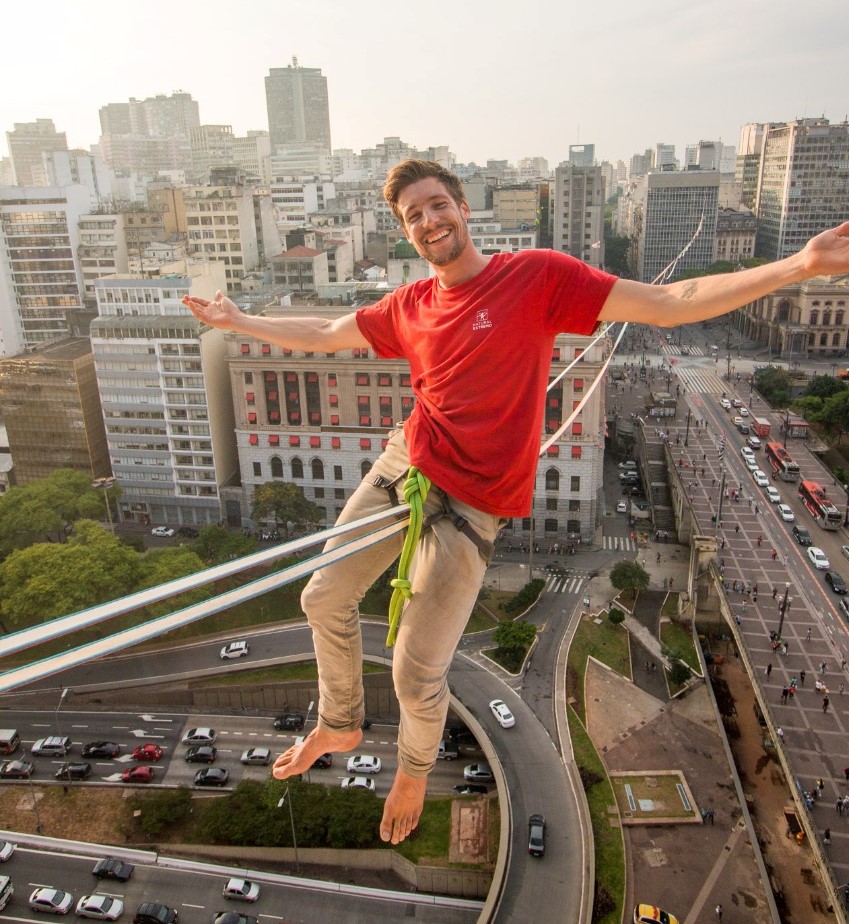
(618, 544)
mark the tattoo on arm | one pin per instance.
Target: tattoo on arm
(690, 290)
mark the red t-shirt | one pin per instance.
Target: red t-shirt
(479, 356)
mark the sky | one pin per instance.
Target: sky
(488, 78)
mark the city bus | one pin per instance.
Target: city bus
(819, 505)
(782, 463)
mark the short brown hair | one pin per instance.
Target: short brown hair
(411, 171)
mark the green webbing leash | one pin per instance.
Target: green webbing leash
(415, 494)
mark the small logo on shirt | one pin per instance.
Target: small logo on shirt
(481, 321)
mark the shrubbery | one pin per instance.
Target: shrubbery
(526, 596)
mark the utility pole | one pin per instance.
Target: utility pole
(783, 606)
(687, 434)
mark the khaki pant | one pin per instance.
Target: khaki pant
(446, 574)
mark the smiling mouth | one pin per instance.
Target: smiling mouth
(438, 237)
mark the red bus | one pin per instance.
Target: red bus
(782, 463)
(819, 505)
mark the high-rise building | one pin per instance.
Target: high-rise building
(102, 251)
(298, 111)
(802, 182)
(577, 212)
(66, 168)
(212, 146)
(27, 142)
(664, 157)
(252, 153)
(582, 155)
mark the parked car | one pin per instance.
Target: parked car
(447, 751)
(358, 782)
(78, 771)
(363, 763)
(470, 789)
(835, 582)
(502, 714)
(201, 754)
(212, 776)
(51, 901)
(786, 513)
(256, 757)
(289, 721)
(818, 558)
(16, 769)
(242, 890)
(323, 761)
(803, 537)
(147, 751)
(155, 913)
(101, 749)
(238, 649)
(478, 773)
(773, 495)
(650, 914)
(233, 917)
(621, 506)
(200, 736)
(55, 746)
(138, 774)
(163, 532)
(7, 848)
(112, 868)
(536, 835)
(100, 907)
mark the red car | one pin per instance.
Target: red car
(147, 752)
(138, 775)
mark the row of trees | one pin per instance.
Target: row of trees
(825, 401)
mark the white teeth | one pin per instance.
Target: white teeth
(433, 240)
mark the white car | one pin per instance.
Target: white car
(773, 495)
(736, 402)
(363, 763)
(235, 650)
(100, 907)
(164, 532)
(502, 713)
(725, 403)
(621, 507)
(7, 848)
(751, 464)
(358, 782)
(818, 558)
(754, 442)
(747, 452)
(744, 412)
(256, 757)
(242, 890)
(787, 514)
(53, 901)
(200, 736)
(760, 478)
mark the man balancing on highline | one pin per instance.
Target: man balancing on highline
(478, 336)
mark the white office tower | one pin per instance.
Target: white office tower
(577, 212)
(298, 110)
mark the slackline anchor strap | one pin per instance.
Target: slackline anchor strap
(416, 488)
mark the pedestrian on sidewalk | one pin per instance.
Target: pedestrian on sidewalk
(825, 702)
(841, 688)
(839, 804)
(822, 667)
(826, 837)
(769, 669)
(846, 773)
(774, 554)
(760, 540)
(784, 694)
(808, 635)
(784, 648)
(737, 528)
(802, 677)
(774, 591)
(779, 733)
(719, 912)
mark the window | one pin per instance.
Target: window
(815, 317)
(553, 451)
(253, 439)
(555, 354)
(574, 505)
(331, 379)
(250, 397)
(339, 493)
(551, 503)
(362, 378)
(276, 467)
(257, 469)
(317, 470)
(252, 417)
(578, 384)
(335, 442)
(576, 452)
(573, 526)
(835, 340)
(577, 428)
(550, 525)
(365, 420)
(249, 378)
(575, 483)
(365, 443)
(334, 420)
(405, 379)
(245, 349)
(365, 467)
(294, 441)
(823, 339)
(273, 440)
(315, 442)
(384, 379)
(333, 400)
(552, 480)
(297, 468)
(266, 349)
(337, 472)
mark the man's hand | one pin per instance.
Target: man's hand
(827, 254)
(220, 312)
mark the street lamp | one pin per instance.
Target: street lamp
(846, 517)
(783, 606)
(786, 425)
(292, 822)
(687, 434)
(106, 483)
(58, 707)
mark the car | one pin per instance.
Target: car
(290, 721)
(323, 761)
(629, 477)
(502, 714)
(233, 917)
(741, 424)
(113, 868)
(725, 403)
(621, 506)
(845, 550)
(155, 913)
(7, 848)
(363, 763)
(200, 736)
(803, 537)
(212, 776)
(478, 773)
(358, 782)
(818, 558)
(470, 789)
(754, 442)
(760, 478)
(843, 603)
(447, 751)
(743, 412)
(55, 746)
(188, 532)
(736, 402)
(256, 757)
(100, 907)
(835, 582)
(536, 835)
(101, 749)
(141, 773)
(147, 751)
(751, 464)
(51, 901)
(786, 513)
(201, 754)
(78, 771)
(629, 465)
(773, 495)
(241, 890)
(238, 649)
(16, 769)
(163, 532)
(650, 914)
(746, 452)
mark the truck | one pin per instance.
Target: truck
(761, 426)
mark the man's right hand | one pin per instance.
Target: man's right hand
(221, 312)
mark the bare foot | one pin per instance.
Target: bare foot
(403, 807)
(300, 757)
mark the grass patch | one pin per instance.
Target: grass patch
(609, 849)
(433, 838)
(670, 606)
(479, 621)
(678, 638)
(605, 642)
(661, 790)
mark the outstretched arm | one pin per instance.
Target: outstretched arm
(709, 296)
(308, 334)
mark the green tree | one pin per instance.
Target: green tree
(774, 384)
(49, 579)
(679, 673)
(168, 563)
(514, 636)
(216, 544)
(616, 251)
(159, 811)
(824, 386)
(629, 575)
(285, 504)
(835, 413)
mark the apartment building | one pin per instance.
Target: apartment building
(295, 198)
(297, 104)
(577, 211)
(301, 269)
(102, 251)
(27, 142)
(212, 146)
(736, 230)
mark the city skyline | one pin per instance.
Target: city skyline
(487, 82)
